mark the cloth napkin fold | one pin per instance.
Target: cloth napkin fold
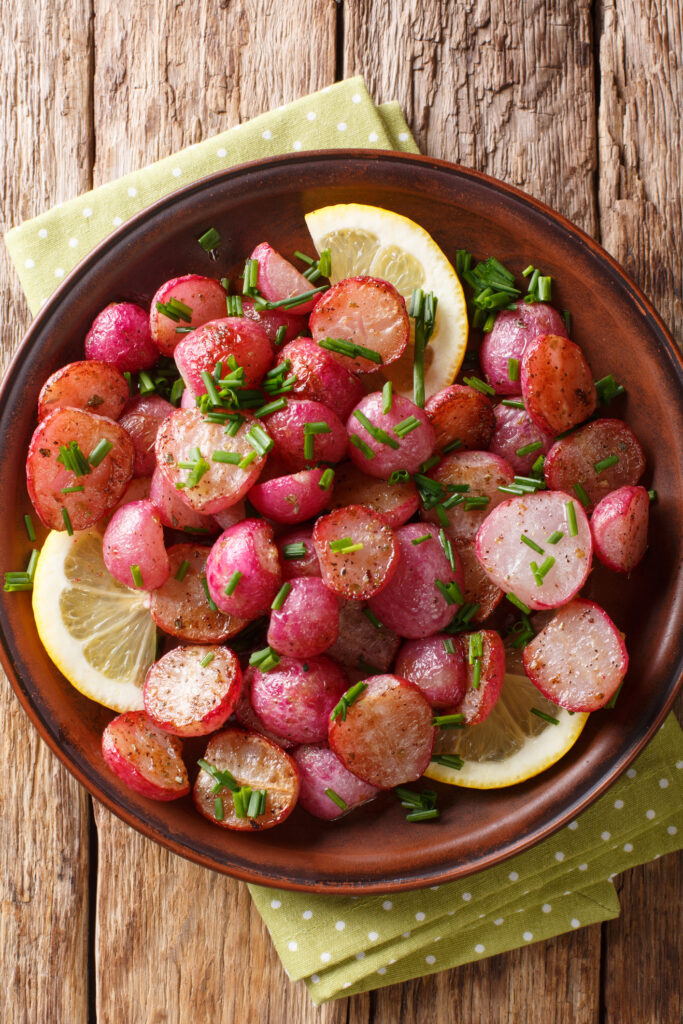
(341, 945)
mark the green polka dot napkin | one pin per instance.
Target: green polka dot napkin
(341, 945)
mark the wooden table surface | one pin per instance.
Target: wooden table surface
(576, 101)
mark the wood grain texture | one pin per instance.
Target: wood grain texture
(506, 89)
(45, 127)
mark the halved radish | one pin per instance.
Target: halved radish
(297, 554)
(541, 579)
(364, 643)
(512, 331)
(119, 335)
(485, 680)
(425, 591)
(381, 443)
(243, 570)
(145, 757)
(215, 342)
(203, 296)
(289, 429)
(579, 659)
(141, 420)
(557, 383)
(619, 528)
(88, 384)
(133, 546)
(278, 279)
(176, 513)
(397, 503)
(319, 376)
(271, 320)
(478, 588)
(307, 623)
(185, 435)
(385, 736)
(291, 499)
(436, 665)
(328, 789)
(247, 717)
(295, 698)
(91, 494)
(482, 473)
(251, 761)
(367, 312)
(516, 431)
(357, 551)
(460, 413)
(577, 459)
(181, 608)
(191, 691)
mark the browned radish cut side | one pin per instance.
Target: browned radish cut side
(145, 757)
(357, 551)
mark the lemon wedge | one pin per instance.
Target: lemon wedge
(512, 744)
(368, 240)
(99, 634)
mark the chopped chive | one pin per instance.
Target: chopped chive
(580, 492)
(310, 430)
(423, 815)
(554, 537)
(235, 421)
(325, 481)
(536, 574)
(451, 591)
(67, 522)
(207, 659)
(448, 645)
(613, 699)
(371, 617)
(210, 240)
(513, 368)
(448, 721)
(265, 660)
(347, 700)
(538, 466)
(72, 490)
(297, 549)
(175, 310)
(350, 348)
(30, 529)
(229, 458)
(432, 461)
(290, 303)
(531, 543)
(238, 801)
(223, 777)
(129, 377)
(265, 410)
(545, 566)
(441, 516)
(182, 570)
(225, 284)
(448, 760)
(399, 476)
(101, 449)
(476, 501)
(259, 440)
(376, 432)
(571, 518)
(608, 389)
(233, 305)
(406, 426)
(212, 604)
(527, 449)
(280, 334)
(452, 446)
(232, 582)
(72, 458)
(447, 546)
(652, 495)
(423, 310)
(476, 647)
(281, 597)
(476, 674)
(513, 599)
(137, 575)
(218, 808)
(247, 460)
(479, 385)
(337, 545)
(421, 540)
(545, 717)
(611, 460)
(336, 799)
(387, 397)
(210, 386)
(254, 803)
(360, 444)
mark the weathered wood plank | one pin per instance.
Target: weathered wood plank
(176, 943)
(45, 127)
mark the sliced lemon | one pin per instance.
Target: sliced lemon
(367, 240)
(512, 744)
(99, 634)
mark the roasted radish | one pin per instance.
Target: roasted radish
(594, 460)
(192, 691)
(89, 384)
(357, 551)
(619, 528)
(557, 383)
(145, 757)
(328, 789)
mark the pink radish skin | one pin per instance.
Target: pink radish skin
(478, 702)
(286, 427)
(141, 419)
(572, 459)
(223, 484)
(307, 565)
(356, 575)
(320, 769)
(247, 717)
(212, 343)
(120, 336)
(387, 736)
(484, 473)
(410, 604)
(619, 528)
(367, 312)
(253, 761)
(89, 384)
(278, 279)
(512, 331)
(507, 560)
(102, 487)
(291, 499)
(308, 622)
(180, 607)
(515, 429)
(459, 413)
(272, 319)
(229, 516)
(579, 659)
(144, 757)
(397, 503)
(296, 703)
(320, 377)
(135, 536)
(440, 675)
(205, 297)
(477, 588)
(174, 512)
(186, 698)
(413, 449)
(188, 399)
(248, 548)
(557, 384)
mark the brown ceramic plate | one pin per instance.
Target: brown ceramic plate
(374, 849)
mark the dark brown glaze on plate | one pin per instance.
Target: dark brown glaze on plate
(373, 850)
